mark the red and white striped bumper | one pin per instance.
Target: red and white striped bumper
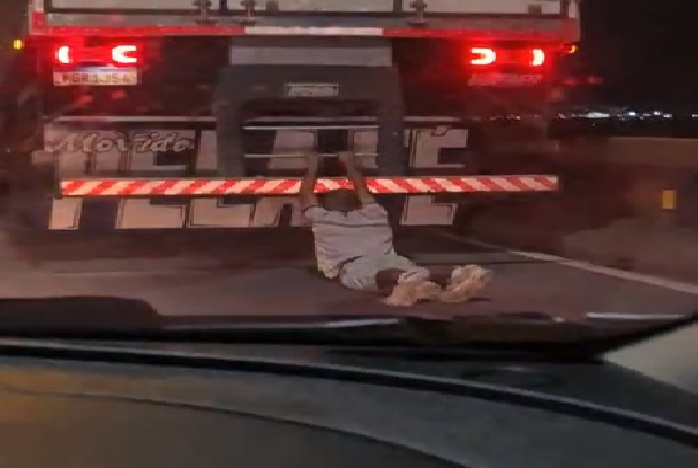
(124, 187)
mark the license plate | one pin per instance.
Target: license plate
(311, 90)
(96, 77)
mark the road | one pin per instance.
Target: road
(224, 273)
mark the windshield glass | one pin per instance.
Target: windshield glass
(217, 176)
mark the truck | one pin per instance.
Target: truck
(177, 114)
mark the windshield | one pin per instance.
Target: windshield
(219, 177)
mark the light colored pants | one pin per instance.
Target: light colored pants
(361, 274)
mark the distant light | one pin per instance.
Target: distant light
(18, 44)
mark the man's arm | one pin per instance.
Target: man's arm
(307, 188)
(356, 177)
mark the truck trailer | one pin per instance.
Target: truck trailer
(151, 114)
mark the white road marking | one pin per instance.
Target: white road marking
(656, 281)
(117, 273)
(640, 317)
(332, 324)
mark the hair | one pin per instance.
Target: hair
(340, 200)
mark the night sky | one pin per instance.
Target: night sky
(646, 50)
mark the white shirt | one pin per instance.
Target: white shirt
(339, 236)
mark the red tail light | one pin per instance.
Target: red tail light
(125, 54)
(482, 56)
(487, 56)
(538, 58)
(64, 55)
(110, 54)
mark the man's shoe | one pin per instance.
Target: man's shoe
(409, 293)
(466, 282)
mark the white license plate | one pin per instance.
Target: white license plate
(311, 90)
(96, 77)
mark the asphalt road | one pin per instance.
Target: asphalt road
(224, 273)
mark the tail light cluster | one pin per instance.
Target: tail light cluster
(123, 54)
(490, 56)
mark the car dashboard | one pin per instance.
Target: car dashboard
(63, 412)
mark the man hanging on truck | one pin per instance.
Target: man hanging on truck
(354, 245)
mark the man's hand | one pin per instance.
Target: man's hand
(347, 159)
(311, 159)
(307, 188)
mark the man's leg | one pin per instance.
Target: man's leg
(440, 277)
(403, 284)
(461, 283)
(404, 288)
(408, 282)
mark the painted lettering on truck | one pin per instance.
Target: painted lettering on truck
(167, 152)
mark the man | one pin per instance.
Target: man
(354, 244)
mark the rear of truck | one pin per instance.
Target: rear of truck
(178, 114)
